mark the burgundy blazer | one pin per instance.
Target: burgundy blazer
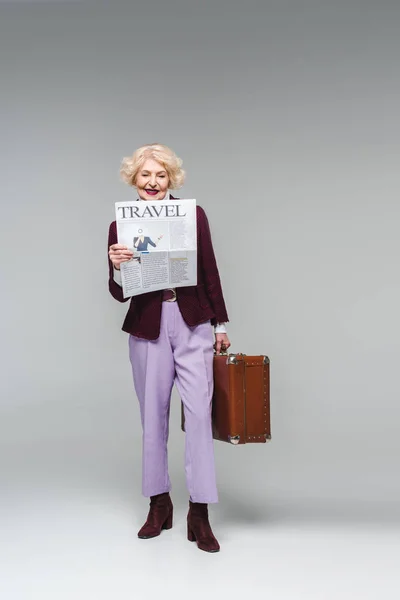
(198, 303)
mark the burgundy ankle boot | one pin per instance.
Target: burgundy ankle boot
(159, 517)
(199, 529)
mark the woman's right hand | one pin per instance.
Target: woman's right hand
(119, 254)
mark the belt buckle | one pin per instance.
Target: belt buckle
(173, 299)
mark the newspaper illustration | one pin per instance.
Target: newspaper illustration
(163, 238)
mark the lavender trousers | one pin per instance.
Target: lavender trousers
(182, 355)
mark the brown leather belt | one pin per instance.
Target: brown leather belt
(169, 295)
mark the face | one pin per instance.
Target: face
(152, 180)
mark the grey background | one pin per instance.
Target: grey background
(286, 116)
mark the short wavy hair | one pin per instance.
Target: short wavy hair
(172, 164)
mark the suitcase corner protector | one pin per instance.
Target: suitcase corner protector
(234, 439)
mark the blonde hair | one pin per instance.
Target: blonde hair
(172, 164)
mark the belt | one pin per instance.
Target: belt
(169, 295)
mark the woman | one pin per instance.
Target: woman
(141, 243)
(171, 341)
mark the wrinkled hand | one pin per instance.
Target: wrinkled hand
(119, 254)
(222, 343)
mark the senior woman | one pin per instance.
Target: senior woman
(171, 340)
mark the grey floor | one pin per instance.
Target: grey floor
(70, 508)
(63, 543)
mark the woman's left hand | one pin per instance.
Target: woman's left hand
(222, 343)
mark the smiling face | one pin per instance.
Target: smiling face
(152, 180)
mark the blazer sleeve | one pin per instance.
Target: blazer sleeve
(210, 270)
(114, 288)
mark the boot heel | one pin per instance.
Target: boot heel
(190, 535)
(168, 522)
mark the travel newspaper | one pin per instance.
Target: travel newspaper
(162, 236)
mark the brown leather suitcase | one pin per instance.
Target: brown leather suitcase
(241, 400)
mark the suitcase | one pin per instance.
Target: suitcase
(241, 399)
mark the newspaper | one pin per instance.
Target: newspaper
(162, 236)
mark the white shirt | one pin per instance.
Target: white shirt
(219, 328)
